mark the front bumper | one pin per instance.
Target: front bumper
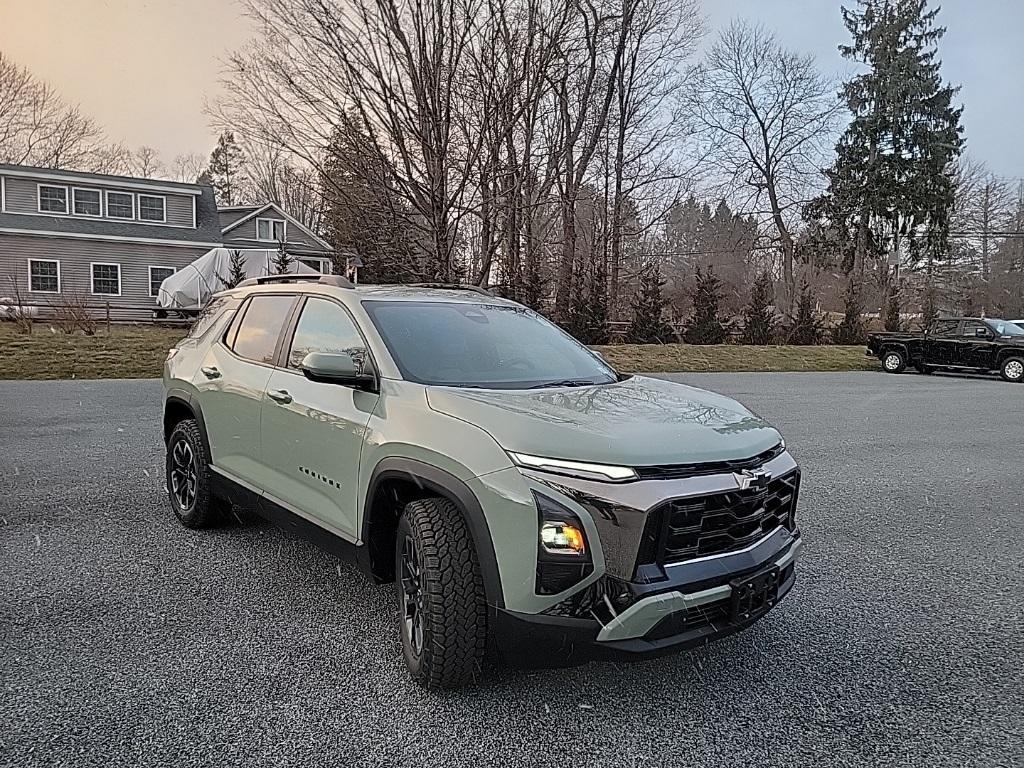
(690, 610)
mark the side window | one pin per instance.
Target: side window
(946, 329)
(324, 327)
(261, 326)
(971, 327)
(208, 316)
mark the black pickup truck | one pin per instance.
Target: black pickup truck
(981, 345)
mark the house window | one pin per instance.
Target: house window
(86, 202)
(272, 229)
(323, 266)
(53, 199)
(106, 279)
(156, 276)
(120, 205)
(152, 208)
(44, 276)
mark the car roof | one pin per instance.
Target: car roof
(446, 294)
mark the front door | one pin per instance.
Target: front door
(978, 345)
(312, 432)
(231, 382)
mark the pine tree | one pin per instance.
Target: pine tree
(649, 325)
(226, 170)
(758, 317)
(283, 261)
(704, 326)
(806, 328)
(851, 329)
(236, 270)
(590, 305)
(892, 313)
(891, 179)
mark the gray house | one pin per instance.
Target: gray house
(113, 239)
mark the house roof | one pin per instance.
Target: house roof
(238, 215)
(207, 231)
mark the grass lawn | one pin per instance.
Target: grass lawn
(138, 352)
(670, 358)
(126, 352)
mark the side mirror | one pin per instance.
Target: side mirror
(338, 368)
(981, 333)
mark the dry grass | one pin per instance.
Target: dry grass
(138, 352)
(126, 352)
(669, 358)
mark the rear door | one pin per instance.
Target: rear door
(978, 346)
(232, 379)
(941, 347)
(312, 432)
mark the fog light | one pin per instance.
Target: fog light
(560, 538)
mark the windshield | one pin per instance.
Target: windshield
(1005, 328)
(482, 345)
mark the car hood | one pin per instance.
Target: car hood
(637, 422)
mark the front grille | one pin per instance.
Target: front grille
(723, 522)
(680, 471)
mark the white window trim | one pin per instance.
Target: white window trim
(150, 286)
(50, 261)
(39, 199)
(271, 239)
(106, 205)
(138, 208)
(74, 193)
(92, 277)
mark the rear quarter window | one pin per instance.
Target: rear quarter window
(208, 317)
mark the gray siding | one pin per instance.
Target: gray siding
(75, 257)
(22, 197)
(246, 231)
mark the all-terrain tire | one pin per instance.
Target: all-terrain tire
(1012, 369)
(452, 637)
(186, 445)
(893, 361)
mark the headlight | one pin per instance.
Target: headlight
(575, 468)
(563, 558)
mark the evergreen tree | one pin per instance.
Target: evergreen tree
(236, 270)
(851, 329)
(806, 328)
(704, 326)
(649, 325)
(590, 305)
(283, 261)
(892, 313)
(758, 316)
(226, 170)
(891, 180)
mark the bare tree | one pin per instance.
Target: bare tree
(188, 167)
(145, 163)
(37, 127)
(767, 116)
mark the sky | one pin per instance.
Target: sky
(144, 68)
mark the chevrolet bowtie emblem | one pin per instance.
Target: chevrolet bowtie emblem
(757, 479)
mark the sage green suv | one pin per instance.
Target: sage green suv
(523, 496)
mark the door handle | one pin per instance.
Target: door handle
(280, 396)
(210, 372)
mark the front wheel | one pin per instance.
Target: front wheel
(893, 361)
(1012, 369)
(442, 609)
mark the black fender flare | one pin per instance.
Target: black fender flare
(895, 346)
(442, 483)
(179, 397)
(1009, 352)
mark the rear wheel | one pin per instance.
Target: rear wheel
(188, 478)
(893, 361)
(1012, 369)
(442, 609)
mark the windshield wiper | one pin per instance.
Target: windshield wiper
(564, 383)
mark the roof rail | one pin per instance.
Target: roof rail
(336, 280)
(452, 287)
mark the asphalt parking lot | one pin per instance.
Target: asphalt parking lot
(126, 639)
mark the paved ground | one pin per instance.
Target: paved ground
(128, 640)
